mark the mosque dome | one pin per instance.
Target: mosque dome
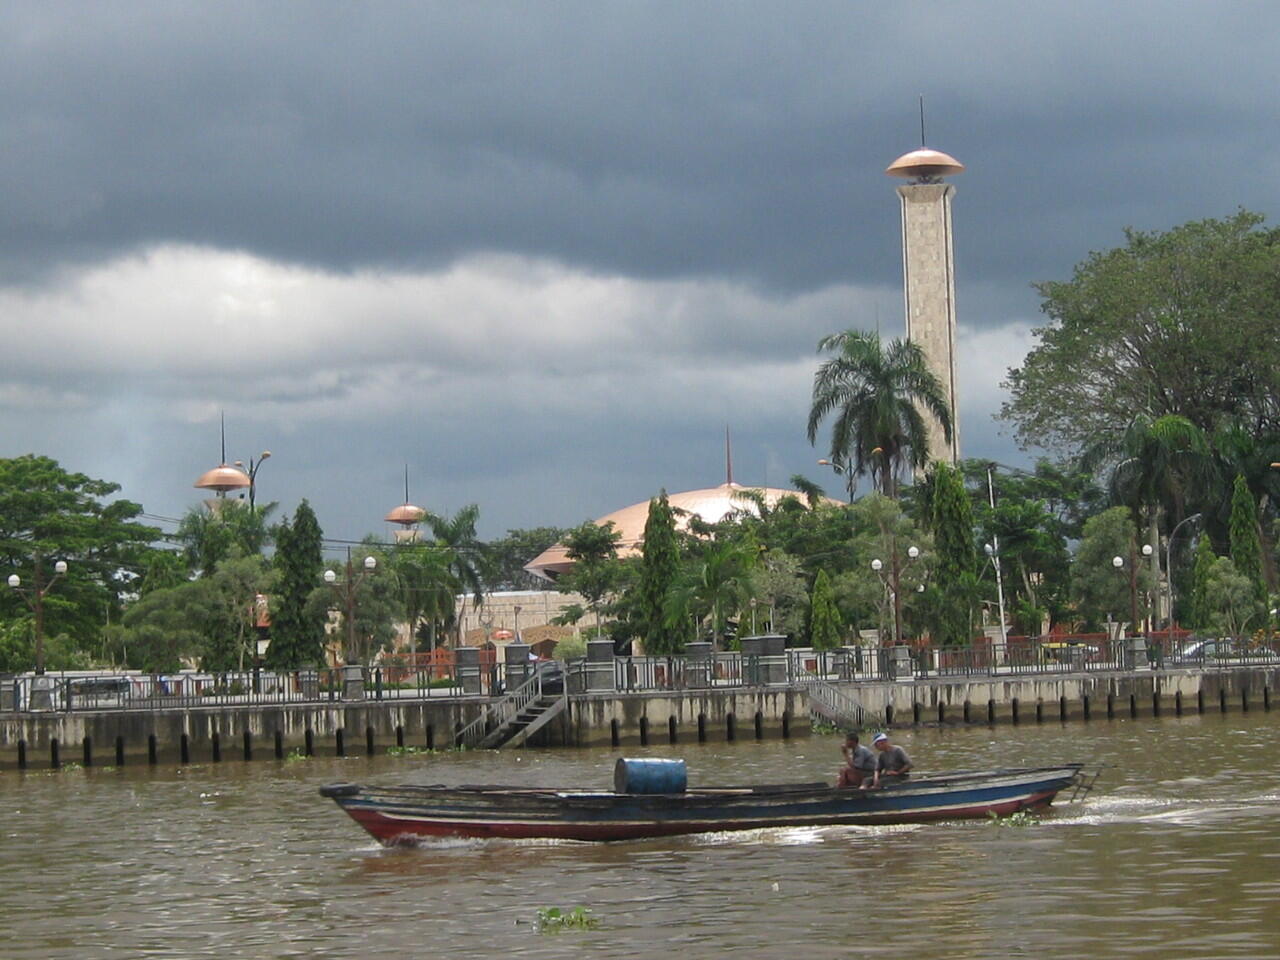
(711, 505)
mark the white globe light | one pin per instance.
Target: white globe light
(330, 576)
(14, 580)
(913, 552)
(1117, 562)
(989, 549)
(60, 567)
(876, 565)
(370, 562)
(1146, 549)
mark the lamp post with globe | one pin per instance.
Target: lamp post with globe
(41, 693)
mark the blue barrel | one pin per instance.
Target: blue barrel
(649, 776)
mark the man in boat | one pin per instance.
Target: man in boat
(859, 763)
(893, 765)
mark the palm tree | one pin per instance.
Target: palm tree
(458, 534)
(428, 588)
(877, 395)
(714, 587)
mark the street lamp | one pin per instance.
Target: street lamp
(35, 598)
(1168, 567)
(1118, 563)
(895, 577)
(252, 472)
(843, 470)
(993, 555)
(346, 591)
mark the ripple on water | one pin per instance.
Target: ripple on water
(1174, 854)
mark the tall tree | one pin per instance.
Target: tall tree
(714, 588)
(1246, 547)
(49, 514)
(593, 548)
(428, 588)
(956, 556)
(659, 570)
(876, 395)
(1102, 590)
(1200, 611)
(1181, 322)
(297, 628)
(466, 553)
(825, 626)
(211, 535)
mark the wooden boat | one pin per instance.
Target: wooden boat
(407, 813)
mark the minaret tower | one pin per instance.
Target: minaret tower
(928, 274)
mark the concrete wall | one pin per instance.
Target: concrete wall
(602, 719)
(627, 719)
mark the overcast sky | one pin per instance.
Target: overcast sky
(544, 252)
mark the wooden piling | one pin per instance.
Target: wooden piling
(1039, 711)
(368, 742)
(1266, 698)
(1013, 710)
(967, 711)
(1155, 703)
(279, 745)
(615, 735)
(888, 715)
(1222, 700)
(339, 746)
(1133, 706)
(119, 751)
(1111, 706)
(916, 712)
(22, 754)
(671, 728)
(184, 749)
(644, 731)
(942, 712)
(215, 745)
(1244, 699)
(1085, 706)
(1177, 704)
(87, 748)
(1063, 712)
(247, 745)
(991, 710)
(431, 736)
(1200, 701)
(702, 728)
(309, 742)
(399, 735)
(153, 750)
(759, 725)
(55, 761)
(730, 727)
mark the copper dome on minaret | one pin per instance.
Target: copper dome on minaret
(925, 165)
(406, 515)
(223, 478)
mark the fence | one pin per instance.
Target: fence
(796, 667)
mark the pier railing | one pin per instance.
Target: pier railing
(796, 668)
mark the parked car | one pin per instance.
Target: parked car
(1203, 650)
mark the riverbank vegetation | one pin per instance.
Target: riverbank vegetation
(1154, 384)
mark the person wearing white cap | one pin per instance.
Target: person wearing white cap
(893, 764)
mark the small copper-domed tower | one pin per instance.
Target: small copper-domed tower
(928, 275)
(223, 478)
(406, 516)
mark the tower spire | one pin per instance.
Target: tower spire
(728, 456)
(922, 121)
(222, 416)
(406, 483)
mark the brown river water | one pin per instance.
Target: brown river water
(1175, 855)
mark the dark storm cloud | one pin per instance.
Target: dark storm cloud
(744, 140)
(543, 252)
